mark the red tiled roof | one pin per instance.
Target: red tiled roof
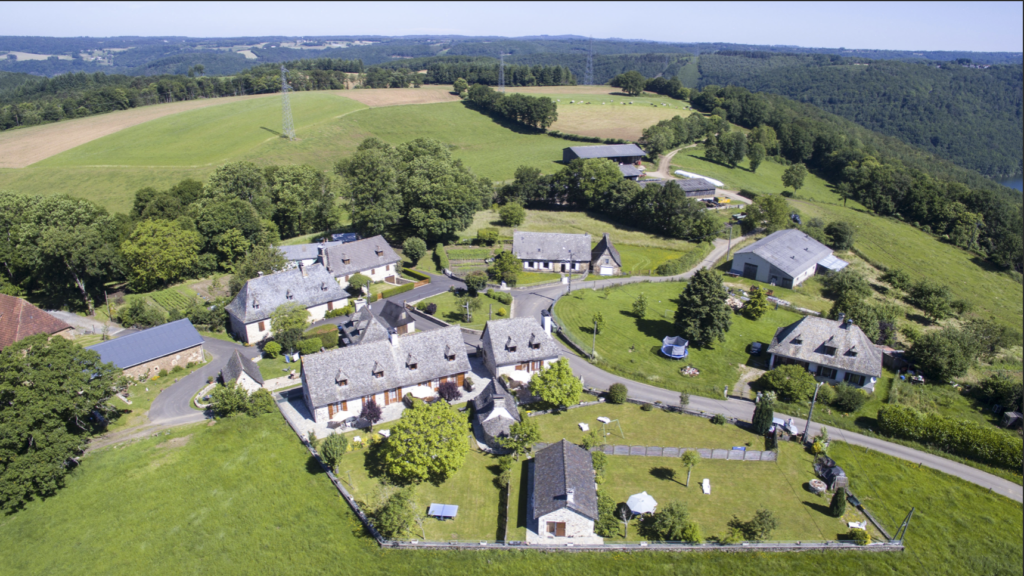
(19, 320)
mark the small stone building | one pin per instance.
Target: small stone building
(494, 412)
(242, 370)
(605, 259)
(144, 354)
(551, 251)
(564, 504)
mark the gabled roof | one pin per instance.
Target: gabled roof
(791, 251)
(550, 246)
(361, 255)
(298, 252)
(149, 344)
(359, 363)
(520, 331)
(395, 315)
(845, 337)
(362, 327)
(691, 184)
(605, 244)
(561, 467)
(238, 364)
(496, 410)
(19, 320)
(630, 171)
(260, 296)
(607, 151)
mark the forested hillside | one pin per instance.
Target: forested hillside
(966, 114)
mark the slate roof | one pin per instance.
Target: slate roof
(298, 252)
(356, 365)
(602, 245)
(695, 184)
(394, 315)
(363, 326)
(20, 319)
(607, 151)
(557, 469)
(272, 290)
(361, 255)
(630, 171)
(238, 364)
(495, 395)
(500, 335)
(815, 332)
(550, 246)
(149, 344)
(790, 250)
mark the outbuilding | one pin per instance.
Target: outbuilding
(243, 371)
(785, 258)
(19, 319)
(605, 259)
(144, 354)
(621, 153)
(564, 506)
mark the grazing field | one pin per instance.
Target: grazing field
(631, 347)
(208, 136)
(377, 98)
(25, 146)
(243, 496)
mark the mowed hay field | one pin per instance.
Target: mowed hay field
(402, 96)
(21, 148)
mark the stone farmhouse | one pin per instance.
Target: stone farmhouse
(785, 258)
(833, 350)
(564, 503)
(242, 370)
(311, 286)
(605, 259)
(144, 354)
(19, 320)
(371, 257)
(336, 383)
(518, 347)
(552, 252)
(362, 327)
(494, 412)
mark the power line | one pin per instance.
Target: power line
(588, 76)
(286, 107)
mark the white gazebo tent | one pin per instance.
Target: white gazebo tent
(642, 503)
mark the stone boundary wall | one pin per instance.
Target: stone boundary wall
(835, 545)
(673, 452)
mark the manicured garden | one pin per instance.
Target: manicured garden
(450, 310)
(631, 347)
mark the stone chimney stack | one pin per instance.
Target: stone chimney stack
(393, 337)
(302, 269)
(570, 496)
(546, 323)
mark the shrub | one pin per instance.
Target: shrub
(416, 274)
(310, 346)
(757, 529)
(163, 372)
(957, 437)
(512, 214)
(897, 278)
(501, 313)
(793, 383)
(337, 312)
(476, 281)
(272, 349)
(826, 393)
(849, 399)
(468, 384)
(449, 391)
(647, 407)
(617, 393)
(333, 449)
(228, 399)
(718, 419)
(414, 249)
(860, 536)
(177, 369)
(684, 399)
(431, 308)
(357, 282)
(503, 297)
(837, 507)
(487, 236)
(261, 402)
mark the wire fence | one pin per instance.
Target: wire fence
(659, 546)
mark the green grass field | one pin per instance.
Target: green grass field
(631, 347)
(449, 311)
(243, 496)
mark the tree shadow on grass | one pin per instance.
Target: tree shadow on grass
(665, 473)
(655, 328)
(920, 319)
(866, 422)
(313, 466)
(818, 508)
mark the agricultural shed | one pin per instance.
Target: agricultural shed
(144, 354)
(621, 153)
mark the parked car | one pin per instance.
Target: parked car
(755, 348)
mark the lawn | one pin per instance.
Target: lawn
(142, 396)
(644, 260)
(449, 310)
(631, 347)
(243, 496)
(534, 278)
(472, 489)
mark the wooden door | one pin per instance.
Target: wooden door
(534, 366)
(330, 411)
(559, 528)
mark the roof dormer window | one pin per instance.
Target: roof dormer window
(378, 250)
(341, 379)
(830, 350)
(411, 363)
(534, 342)
(255, 304)
(323, 286)
(378, 370)
(449, 354)
(289, 295)
(796, 341)
(852, 351)
(345, 259)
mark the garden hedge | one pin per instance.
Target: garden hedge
(503, 297)
(957, 437)
(441, 256)
(396, 291)
(416, 274)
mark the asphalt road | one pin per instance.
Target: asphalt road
(172, 406)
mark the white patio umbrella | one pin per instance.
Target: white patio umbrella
(642, 503)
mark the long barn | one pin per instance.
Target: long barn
(621, 153)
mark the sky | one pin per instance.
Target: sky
(972, 26)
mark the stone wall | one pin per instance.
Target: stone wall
(153, 367)
(576, 525)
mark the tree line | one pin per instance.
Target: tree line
(66, 250)
(597, 185)
(535, 111)
(967, 115)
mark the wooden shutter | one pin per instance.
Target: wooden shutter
(262, 326)
(560, 529)
(344, 405)
(330, 305)
(330, 410)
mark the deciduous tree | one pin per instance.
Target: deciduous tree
(757, 306)
(556, 385)
(793, 383)
(506, 268)
(413, 249)
(672, 523)
(631, 82)
(332, 449)
(288, 322)
(512, 214)
(428, 443)
(768, 210)
(756, 154)
(521, 436)
(158, 253)
(793, 177)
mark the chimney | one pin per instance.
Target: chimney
(546, 323)
(393, 336)
(842, 318)
(570, 496)
(302, 269)
(324, 259)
